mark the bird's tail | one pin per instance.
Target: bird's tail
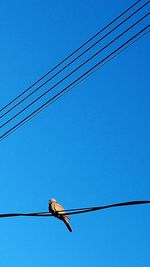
(68, 225)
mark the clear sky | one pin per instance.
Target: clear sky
(91, 147)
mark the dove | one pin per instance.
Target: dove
(57, 210)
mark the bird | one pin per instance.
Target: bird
(58, 211)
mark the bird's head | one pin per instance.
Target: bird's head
(52, 200)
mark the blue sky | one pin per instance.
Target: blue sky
(91, 147)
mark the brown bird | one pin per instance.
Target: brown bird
(58, 211)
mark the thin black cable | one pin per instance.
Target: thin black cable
(111, 58)
(57, 73)
(77, 210)
(130, 203)
(70, 55)
(72, 72)
(51, 100)
(85, 77)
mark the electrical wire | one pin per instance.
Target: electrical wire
(73, 84)
(56, 74)
(124, 48)
(85, 77)
(70, 55)
(72, 72)
(77, 210)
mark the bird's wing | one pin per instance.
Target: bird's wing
(58, 207)
(54, 206)
(61, 212)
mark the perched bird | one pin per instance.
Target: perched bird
(58, 211)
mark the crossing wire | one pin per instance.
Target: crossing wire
(72, 72)
(35, 90)
(71, 85)
(69, 56)
(85, 77)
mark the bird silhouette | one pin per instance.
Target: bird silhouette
(59, 212)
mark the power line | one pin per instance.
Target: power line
(85, 77)
(130, 203)
(70, 55)
(113, 57)
(71, 85)
(80, 55)
(72, 72)
(77, 210)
